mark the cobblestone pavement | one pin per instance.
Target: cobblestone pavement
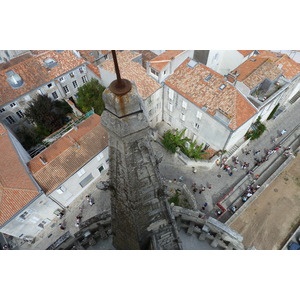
(171, 167)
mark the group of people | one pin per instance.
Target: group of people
(251, 189)
(78, 217)
(200, 189)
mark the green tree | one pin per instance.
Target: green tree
(90, 96)
(46, 114)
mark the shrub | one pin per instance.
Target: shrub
(273, 112)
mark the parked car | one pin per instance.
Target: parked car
(293, 246)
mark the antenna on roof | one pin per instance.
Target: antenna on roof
(120, 86)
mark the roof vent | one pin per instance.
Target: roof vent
(253, 59)
(50, 63)
(14, 79)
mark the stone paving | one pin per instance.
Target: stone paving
(171, 167)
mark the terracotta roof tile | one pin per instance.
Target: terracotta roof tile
(245, 52)
(254, 70)
(34, 73)
(64, 158)
(160, 61)
(16, 187)
(94, 69)
(131, 70)
(190, 83)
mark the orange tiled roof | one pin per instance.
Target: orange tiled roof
(254, 70)
(16, 187)
(160, 61)
(64, 158)
(34, 73)
(245, 52)
(189, 82)
(94, 69)
(131, 70)
(289, 67)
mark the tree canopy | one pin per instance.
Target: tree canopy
(90, 96)
(48, 115)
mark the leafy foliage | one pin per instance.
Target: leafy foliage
(172, 141)
(29, 137)
(90, 96)
(46, 114)
(273, 112)
(257, 132)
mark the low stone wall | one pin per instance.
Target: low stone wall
(209, 229)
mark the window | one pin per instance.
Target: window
(165, 72)
(84, 79)
(222, 87)
(81, 70)
(86, 180)
(182, 117)
(171, 94)
(184, 104)
(199, 115)
(10, 120)
(157, 105)
(150, 112)
(66, 89)
(101, 168)
(24, 215)
(170, 107)
(61, 190)
(154, 72)
(62, 79)
(13, 104)
(208, 77)
(2, 110)
(197, 126)
(54, 94)
(20, 114)
(71, 74)
(75, 84)
(81, 172)
(49, 85)
(99, 156)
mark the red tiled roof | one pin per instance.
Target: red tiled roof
(189, 82)
(254, 70)
(160, 61)
(245, 52)
(131, 70)
(16, 187)
(289, 67)
(64, 158)
(94, 69)
(34, 73)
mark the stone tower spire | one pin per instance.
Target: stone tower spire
(141, 218)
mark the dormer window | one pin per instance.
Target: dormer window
(13, 104)
(61, 79)
(81, 70)
(14, 79)
(71, 74)
(50, 63)
(222, 87)
(49, 85)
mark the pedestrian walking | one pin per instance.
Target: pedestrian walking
(209, 186)
(194, 170)
(61, 226)
(256, 152)
(78, 221)
(282, 132)
(204, 206)
(203, 189)
(181, 178)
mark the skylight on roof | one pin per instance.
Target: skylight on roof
(192, 63)
(208, 77)
(50, 63)
(222, 87)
